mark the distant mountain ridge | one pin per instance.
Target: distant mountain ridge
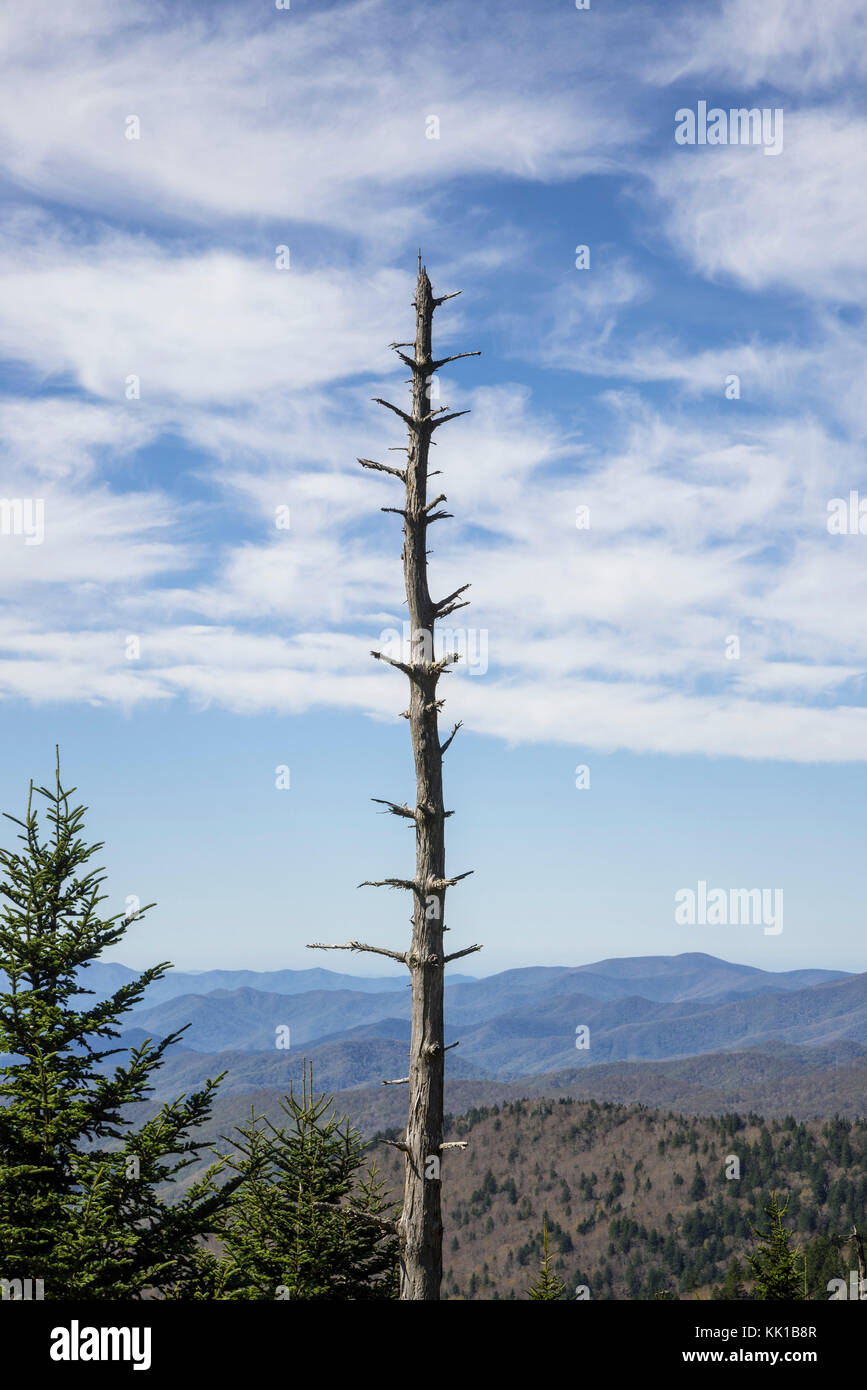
(518, 1023)
(104, 977)
(664, 978)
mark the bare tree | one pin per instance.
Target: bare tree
(420, 1225)
(858, 1248)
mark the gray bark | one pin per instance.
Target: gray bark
(420, 1225)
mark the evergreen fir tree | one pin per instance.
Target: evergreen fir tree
(732, 1286)
(698, 1186)
(80, 1203)
(774, 1263)
(548, 1285)
(825, 1262)
(308, 1222)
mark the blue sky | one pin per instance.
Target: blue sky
(154, 258)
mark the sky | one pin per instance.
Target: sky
(211, 215)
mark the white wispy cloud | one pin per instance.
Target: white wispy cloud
(704, 525)
(313, 117)
(795, 44)
(792, 222)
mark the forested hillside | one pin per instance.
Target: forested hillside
(636, 1201)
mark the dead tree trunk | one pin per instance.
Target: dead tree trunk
(420, 1224)
(858, 1244)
